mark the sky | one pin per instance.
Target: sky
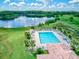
(51, 5)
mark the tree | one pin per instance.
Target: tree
(27, 35)
(71, 19)
(32, 45)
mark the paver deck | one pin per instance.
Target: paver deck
(58, 52)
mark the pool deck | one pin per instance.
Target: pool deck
(35, 37)
(56, 51)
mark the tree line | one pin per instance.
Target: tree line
(10, 15)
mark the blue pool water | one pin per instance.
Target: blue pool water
(48, 37)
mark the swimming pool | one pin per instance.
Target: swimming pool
(48, 37)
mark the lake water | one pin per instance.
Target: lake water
(23, 21)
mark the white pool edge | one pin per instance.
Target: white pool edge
(39, 44)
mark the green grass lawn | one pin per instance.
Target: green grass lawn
(16, 41)
(71, 22)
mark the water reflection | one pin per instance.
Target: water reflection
(23, 21)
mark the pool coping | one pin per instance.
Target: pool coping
(35, 37)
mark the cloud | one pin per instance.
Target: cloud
(35, 4)
(17, 4)
(74, 1)
(52, 6)
(45, 2)
(7, 1)
(41, 5)
(13, 3)
(21, 4)
(61, 5)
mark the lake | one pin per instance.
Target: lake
(23, 21)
